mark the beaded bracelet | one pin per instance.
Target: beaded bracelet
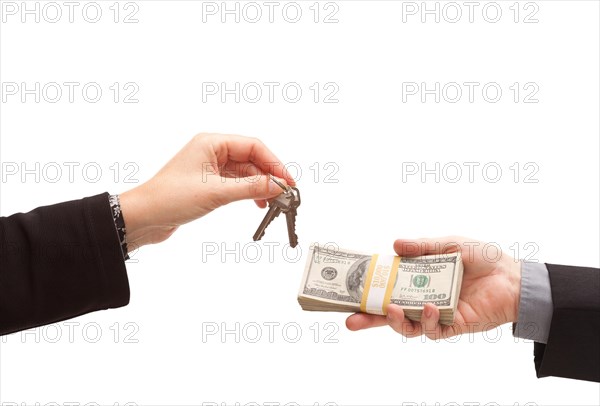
(115, 208)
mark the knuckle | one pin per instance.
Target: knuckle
(201, 139)
(200, 136)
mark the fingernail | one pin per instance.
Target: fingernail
(390, 317)
(427, 311)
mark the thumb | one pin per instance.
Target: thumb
(410, 248)
(252, 187)
(427, 246)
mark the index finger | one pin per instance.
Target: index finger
(245, 149)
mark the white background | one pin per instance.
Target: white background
(369, 137)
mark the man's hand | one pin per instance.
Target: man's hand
(212, 170)
(489, 295)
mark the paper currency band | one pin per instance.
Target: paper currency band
(381, 277)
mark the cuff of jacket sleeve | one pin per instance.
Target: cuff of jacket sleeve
(573, 348)
(108, 254)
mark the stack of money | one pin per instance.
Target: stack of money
(334, 280)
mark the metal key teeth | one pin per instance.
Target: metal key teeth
(271, 214)
(291, 225)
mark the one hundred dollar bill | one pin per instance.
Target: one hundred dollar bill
(334, 280)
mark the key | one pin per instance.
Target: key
(290, 217)
(276, 206)
(286, 202)
(273, 212)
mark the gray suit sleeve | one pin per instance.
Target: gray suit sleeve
(535, 304)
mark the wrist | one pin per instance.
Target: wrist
(140, 220)
(514, 276)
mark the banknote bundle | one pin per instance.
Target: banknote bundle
(342, 280)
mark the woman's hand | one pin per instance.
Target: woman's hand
(212, 170)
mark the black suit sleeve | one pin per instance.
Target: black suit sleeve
(573, 347)
(58, 262)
